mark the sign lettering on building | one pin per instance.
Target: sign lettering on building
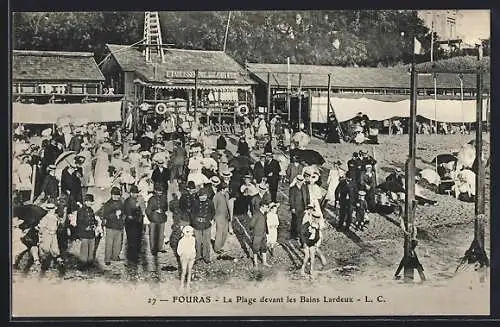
(201, 75)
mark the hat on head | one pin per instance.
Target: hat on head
(368, 165)
(202, 192)
(190, 185)
(299, 177)
(89, 198)
(145, 153)
(262, 155)
(398, 170)
(263, 187)
(116, 191)
(134, 189)
(363, 152)
(269, 153)
(51, 167)
(187, 230)
(49, 206)
(215, 180)
(248, 176)
(362, 192)
(316, 214)
(47, 132)
(227, 174)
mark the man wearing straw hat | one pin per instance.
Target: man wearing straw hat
(86, 224)
(156, 211)
(272, 172)
(113, 218)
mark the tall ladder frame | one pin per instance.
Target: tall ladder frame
(152, 35)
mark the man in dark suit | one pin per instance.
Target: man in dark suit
(354, 167)
(272, 172)
(75, 144)
(345, 196)
(221, 142)
(156, 211)
(161, 175)
(258, 169)
(71, 184)
(50, 154)
(298, 199)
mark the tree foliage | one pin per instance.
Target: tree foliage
(341, 37)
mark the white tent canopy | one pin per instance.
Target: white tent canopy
(51, 112)
(452, 111)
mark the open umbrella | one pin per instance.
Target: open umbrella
(444, 158)
(31, 214)
(311, 157)
(65, 158)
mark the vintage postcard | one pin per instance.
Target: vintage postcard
(250, 163)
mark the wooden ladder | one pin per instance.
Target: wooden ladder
(152, 35)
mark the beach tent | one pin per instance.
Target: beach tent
(451, 111)
(50, 113)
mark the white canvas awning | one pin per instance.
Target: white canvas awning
(451, 111)
(50, 112)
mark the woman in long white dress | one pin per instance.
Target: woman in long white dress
(262, 131)
(101, 175)
(250, 137)
(333, 181)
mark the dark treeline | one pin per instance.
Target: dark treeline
(342, 37)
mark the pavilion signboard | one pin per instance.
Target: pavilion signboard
(202, 75)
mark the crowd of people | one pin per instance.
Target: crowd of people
(212, 186)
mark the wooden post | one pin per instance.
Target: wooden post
(33, 181)
(288, 90)
(409, 215)
(195, 93)
(300, 99)
(328, 104)
(268, 96)
(219, 104)
(309, 107)
(480, 191)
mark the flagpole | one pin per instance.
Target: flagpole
(227, 30)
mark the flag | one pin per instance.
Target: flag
(417, 47)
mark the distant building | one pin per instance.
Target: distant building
(445, 23)
(220, 77)
(47, 85)
(56, 76)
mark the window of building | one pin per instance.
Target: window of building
(92, 89)
(29, 88)
(76, 89)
